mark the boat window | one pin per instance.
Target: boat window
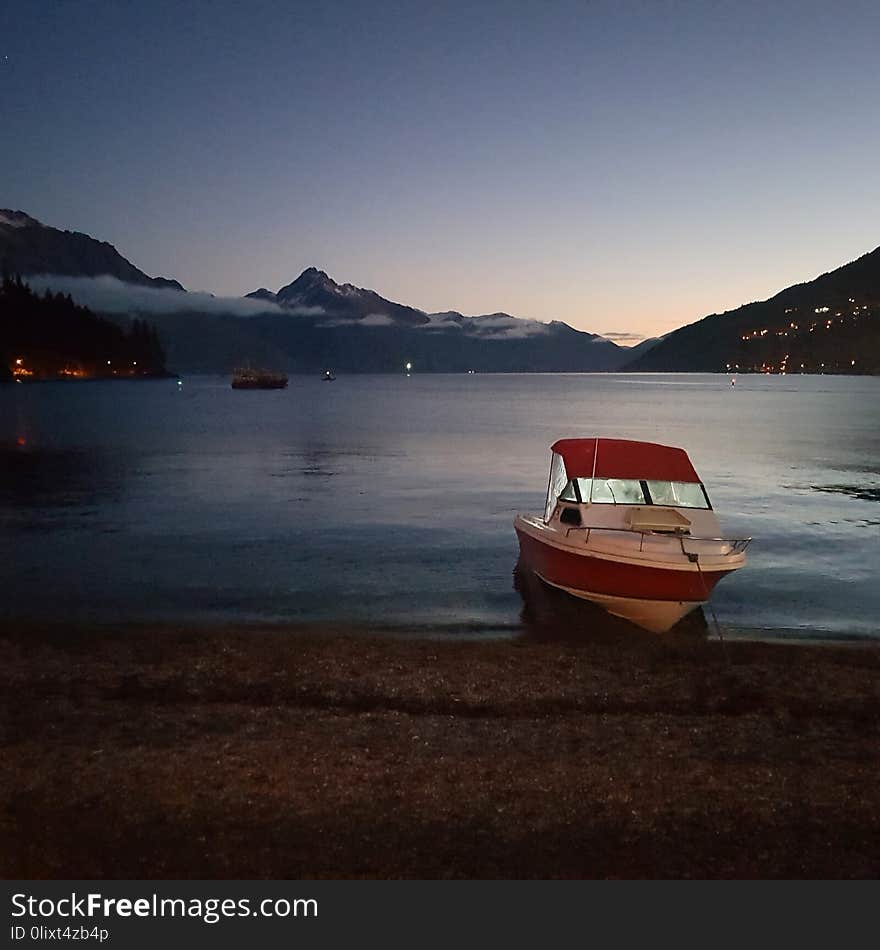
(568, 492)
(632, 491)
(557, 483)
(678, 494)
(616, 491)
(570, 516)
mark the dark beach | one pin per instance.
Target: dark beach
(161, 752)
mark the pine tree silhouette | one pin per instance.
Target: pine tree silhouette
(51, 333)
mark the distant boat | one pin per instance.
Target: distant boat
(328, 376)
(247, 377)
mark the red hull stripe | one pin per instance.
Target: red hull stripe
(598, 576)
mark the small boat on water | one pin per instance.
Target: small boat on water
(328, 376)
(629, 526)
(246, 377)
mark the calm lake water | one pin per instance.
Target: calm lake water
(389, 500)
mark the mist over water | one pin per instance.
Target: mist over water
(389, 500)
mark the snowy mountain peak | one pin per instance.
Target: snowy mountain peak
(312, 274)
(18, 219)
(310, 281)
(261, 294)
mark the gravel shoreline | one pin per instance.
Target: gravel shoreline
(163, 752)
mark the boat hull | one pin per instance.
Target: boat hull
(651, 595)
(657, 616)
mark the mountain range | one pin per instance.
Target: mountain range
(827, 325)
(314, 322)
(29, 247)
(306, 325)
(830, 324)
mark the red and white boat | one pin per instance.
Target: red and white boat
(628, 526)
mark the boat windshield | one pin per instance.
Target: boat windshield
(631, 491)
(556, 485)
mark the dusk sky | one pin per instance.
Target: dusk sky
(625, 167)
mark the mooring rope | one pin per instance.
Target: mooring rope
(695, 559)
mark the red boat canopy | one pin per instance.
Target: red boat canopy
(620, 458)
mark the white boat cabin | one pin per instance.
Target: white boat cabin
(626, 486)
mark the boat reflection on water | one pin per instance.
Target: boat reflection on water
(550, 614)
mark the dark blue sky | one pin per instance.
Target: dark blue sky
(623, 166)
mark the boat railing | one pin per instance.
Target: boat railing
(737, 545)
